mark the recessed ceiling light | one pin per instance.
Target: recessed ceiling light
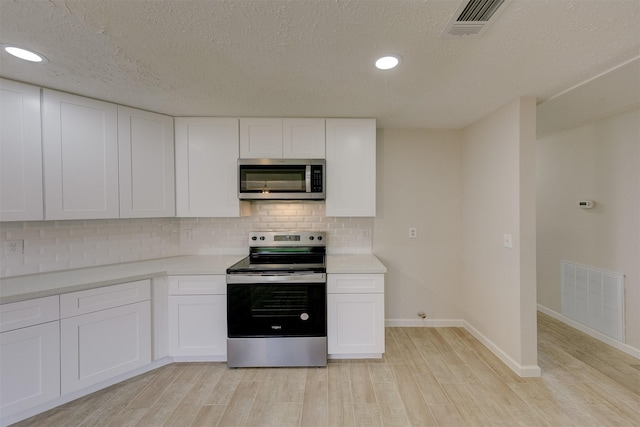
(387, 62)
(27, 55)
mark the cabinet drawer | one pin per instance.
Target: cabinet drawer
(28, 313)
(198, 285)
(91, 300)
(355, 283)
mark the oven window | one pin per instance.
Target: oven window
(273, 179)
(258, 310)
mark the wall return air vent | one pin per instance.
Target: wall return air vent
(472, 18)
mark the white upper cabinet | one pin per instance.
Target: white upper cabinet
(146, 151)
(282, 138)
(351, 167)
(20, 152)
(260, 138)
(80, 151)
(207, 167)
(303, 139)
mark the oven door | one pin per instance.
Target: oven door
(276, 309)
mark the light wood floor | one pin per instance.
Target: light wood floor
(428, 377)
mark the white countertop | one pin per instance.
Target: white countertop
(354, 264)
(59, 282)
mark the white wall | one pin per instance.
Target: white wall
(498, 283)
(601, 162)
(463, 190)
(420, 185)
(61, 245)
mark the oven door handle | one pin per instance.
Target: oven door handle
(249, 278)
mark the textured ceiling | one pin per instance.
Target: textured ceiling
(613, 92)
(313, 58)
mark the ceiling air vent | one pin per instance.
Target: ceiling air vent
(472, 18)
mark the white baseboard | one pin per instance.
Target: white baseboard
(427, 323)
(354, 356)
(631, 351)
(182, 359)
(521, 370)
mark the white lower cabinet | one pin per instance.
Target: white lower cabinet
(198, 317)
(197, 325)
(108, 333)
(29, 367)
(29, 354)
(355, 315)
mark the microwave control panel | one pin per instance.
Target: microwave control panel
(316, 179)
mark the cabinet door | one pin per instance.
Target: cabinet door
(351, 167)
(29, 367)
(198, 326)
(261, 138)
(20, 152)
(355, 325)
(101, 345)
(207, 167)
(80, 149)
(303, 139)
(146, 165)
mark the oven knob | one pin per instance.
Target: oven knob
(310, 237)
(319, 237)
(254, 238)
(304, 316)
(261, 237)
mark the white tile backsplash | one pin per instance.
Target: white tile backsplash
(61, 245)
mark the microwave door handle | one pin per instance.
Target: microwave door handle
(307, 178)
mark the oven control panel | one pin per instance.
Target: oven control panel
(287, 238)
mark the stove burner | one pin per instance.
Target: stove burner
(273, 252)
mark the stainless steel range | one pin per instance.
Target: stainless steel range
(277, 301)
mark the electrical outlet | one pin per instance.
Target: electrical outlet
(187, 234)
(14, 247)
(413, 232)
(508, 241)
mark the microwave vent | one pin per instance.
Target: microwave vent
(472, 18)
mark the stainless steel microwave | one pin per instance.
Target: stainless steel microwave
(281, 179)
